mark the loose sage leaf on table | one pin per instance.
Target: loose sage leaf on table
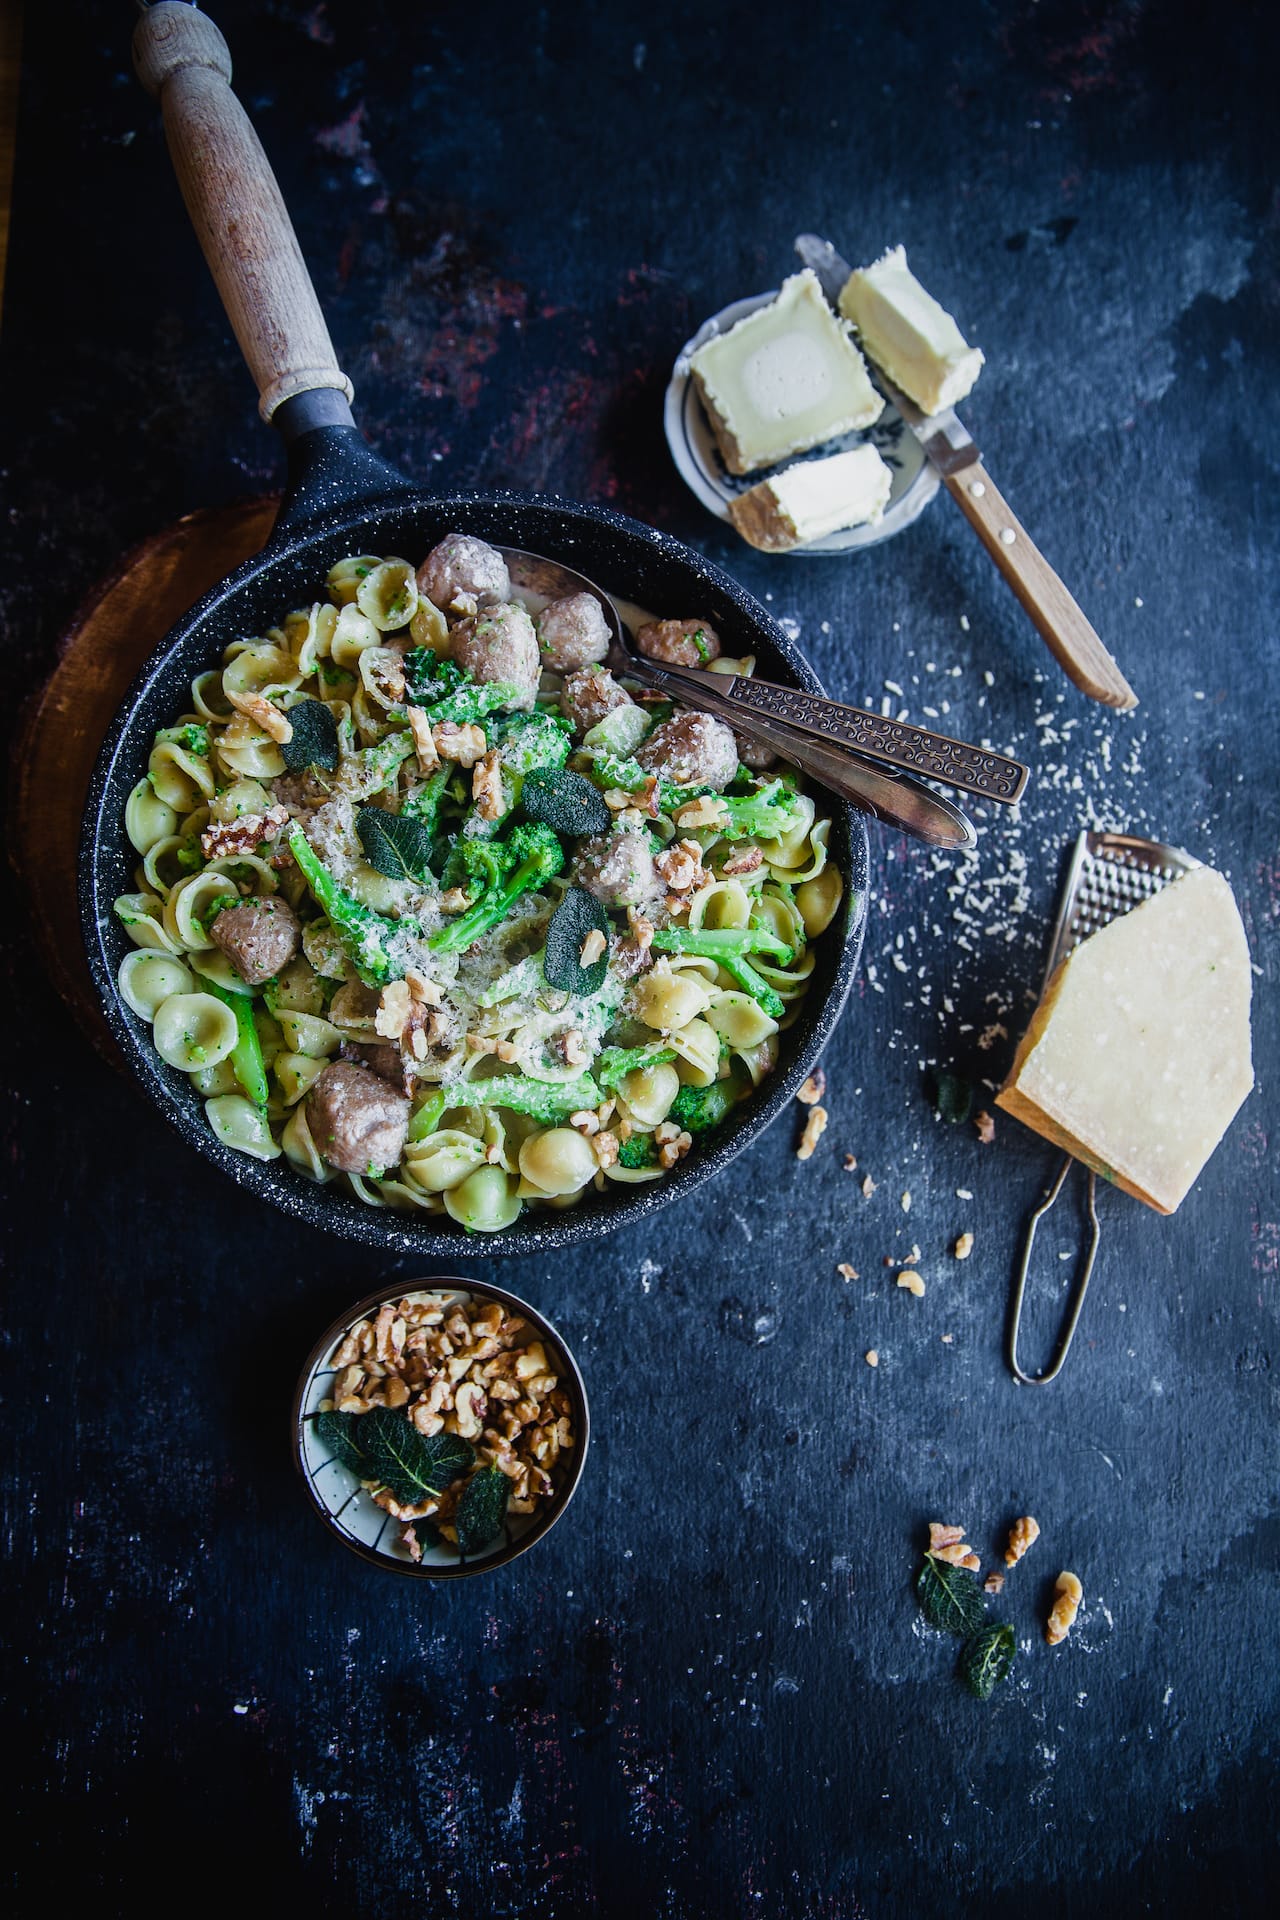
(315, 738)
(564, 801)
(395, 843)
(337, 1431)
(578, 914)
(987, 1658)
(482, 1508)
(952, 1096)
(950, 1597)
(410, 1465)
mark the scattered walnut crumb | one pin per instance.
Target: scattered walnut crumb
(986, 1127)
(872, 1359)
(709, 811)
(423, 744)
(813, 1089)
(814, 1127)
(906, 1203)
(453, 900)
(486, 786)
(228, 837)
(963, 1246)
(591, 949)
(680, 867)
(256, 707)
(1065, 1608)
(848, 1272)
(994, 1583)
(949, 1544)
(641, 929)
(868, 1187)
(746, 860)
(605, 1147)
(947, 1339)
(851, 1163)
(1022, 1534)
(464, 744)
(912, 1281)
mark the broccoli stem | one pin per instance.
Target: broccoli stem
(715, 943)
(473, 702)
(615, 1063)
(373, 768)
(425, 801)
(539, 1099)
(538, 857)
(246, 1055)
(755, 984)
(364, 934)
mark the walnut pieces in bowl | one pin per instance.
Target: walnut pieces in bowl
(440, 1429)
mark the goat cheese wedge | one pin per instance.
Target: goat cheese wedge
(812, 499)
(1138, 1057)
(905, 331)
(784, 379)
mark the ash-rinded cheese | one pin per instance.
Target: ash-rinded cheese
(784, 379)
(813, 498)
(909, 334)
(1138, 1057)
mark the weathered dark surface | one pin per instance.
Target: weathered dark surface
(709, 1694)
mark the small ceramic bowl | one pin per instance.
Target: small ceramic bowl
(701, 467)
(348, 1510)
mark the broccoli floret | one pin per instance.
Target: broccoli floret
(429, 676)
(533, 741)
(698, 1109)
(192, 738)
(543, 1100)
(425, 801)
(639, 1151)
(473, 700)
(365, 935)
(526, 860)
(765, 815)
(373, 768)
(615, 1063)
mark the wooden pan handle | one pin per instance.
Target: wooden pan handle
(1061, 624)
(235, 206)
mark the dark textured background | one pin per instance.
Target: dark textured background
(710, 1692)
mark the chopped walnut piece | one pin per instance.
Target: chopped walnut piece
(680, 867)
(486, 786)
(454, 900)
(851, 1163)
(617, 799)
(586, 1121)
(256, 707)
(986, 1127)
(963, 1246)
(814, 1127)
(228, 837)
(872, 1359)
(605, 1147)
(746, 860)
(846, 1271)
(868, 1187)
(994, 1583)
(591, 949)
(393, 1010)
(423, 989)
(948, 1543)
(423, 743)
(813, 1089)
(911, 1281)
(464, 744)
(641, 929)
(572, 1048)
(1065, 1608)
(709, 811)
(673, 1143)
(1022, 1534)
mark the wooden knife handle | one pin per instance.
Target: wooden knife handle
(235, 206)
(1062, 625)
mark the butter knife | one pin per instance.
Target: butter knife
(950, 448)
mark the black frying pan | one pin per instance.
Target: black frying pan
(342, 499)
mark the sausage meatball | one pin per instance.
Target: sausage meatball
(586, 697)
(617, 868)
(259, 937)
(680, 643)
(357, 1119)
(691, 750)
(573, 632)
(462, 568)
(499, 643)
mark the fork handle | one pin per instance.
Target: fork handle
(1059, 621)
(969, 769)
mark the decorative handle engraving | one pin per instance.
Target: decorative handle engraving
(957, 764)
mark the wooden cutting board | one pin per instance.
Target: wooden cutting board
(125, 616)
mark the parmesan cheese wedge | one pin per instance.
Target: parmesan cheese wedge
(909, 334)
(812, 499)
(1138, 1057)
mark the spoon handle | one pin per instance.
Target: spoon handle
(906, 804)
(969, 769)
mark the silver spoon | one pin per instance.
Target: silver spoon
(822, 736)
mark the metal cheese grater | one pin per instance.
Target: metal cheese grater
(1110, 874)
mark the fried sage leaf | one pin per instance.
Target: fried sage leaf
(950, 1597)
(482, 1508)
(578, 914)
(952, 1096)
(564, 801)
(412, 1466)
(315, 737)
(395, 843)
(337, 1431)
(987, 1658)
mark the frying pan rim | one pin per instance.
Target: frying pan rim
(321, 1206)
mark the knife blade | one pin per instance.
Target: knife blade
(950, 448)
